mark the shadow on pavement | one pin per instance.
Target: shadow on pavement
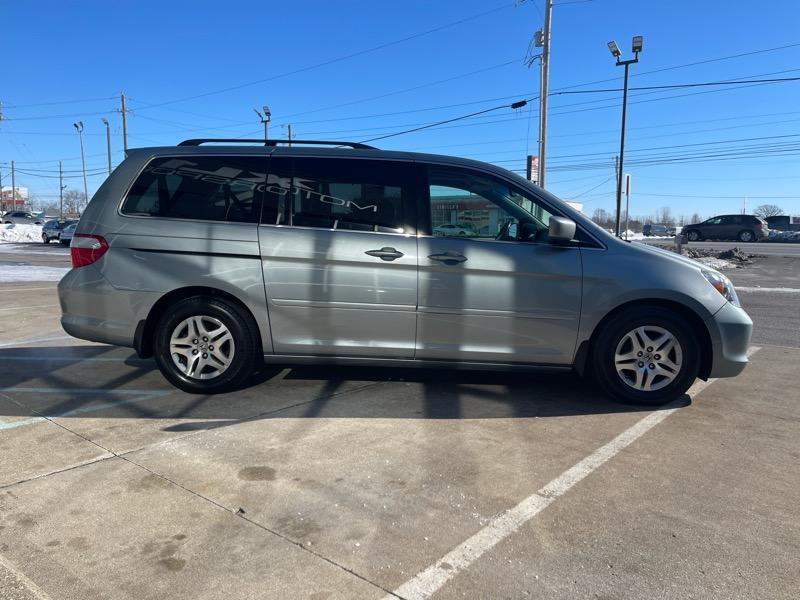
(109, 382)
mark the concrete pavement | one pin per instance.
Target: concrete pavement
(363, 483)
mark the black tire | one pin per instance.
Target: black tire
(747, 236)
(612, 333)
(693, 235)
(64, 242)
(239, 323)
(45, 239)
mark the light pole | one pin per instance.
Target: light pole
(108, 142)
(265, 117)
(79, 127)
(636, 48)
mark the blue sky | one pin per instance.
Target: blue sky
(205, 65)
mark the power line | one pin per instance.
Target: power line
(480, 15)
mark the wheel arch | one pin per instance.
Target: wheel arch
(145, 330)
(697, 324)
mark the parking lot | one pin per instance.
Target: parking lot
(362, 483)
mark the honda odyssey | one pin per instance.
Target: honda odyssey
(215, 255)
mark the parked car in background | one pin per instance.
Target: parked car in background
(65, 237)
(784, 223)
(21, 217)
(52, 229)
(184, 254)
(657, 229)
(744, 228)
(454, 229)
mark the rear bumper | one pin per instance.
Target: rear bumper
(730, 329)
(92, 309)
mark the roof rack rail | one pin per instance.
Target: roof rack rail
(199, 141)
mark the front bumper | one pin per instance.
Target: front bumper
(730, 329)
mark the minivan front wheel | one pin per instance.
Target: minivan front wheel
(693, 236)
(645, 356)
(746, 236)
(205, 345)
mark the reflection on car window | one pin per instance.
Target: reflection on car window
(351, 194)
(471, 205)
(207, 188)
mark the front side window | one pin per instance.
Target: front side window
(335, 193)
(473, 205)
(208, 188)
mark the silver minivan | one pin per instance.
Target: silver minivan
(213, 257)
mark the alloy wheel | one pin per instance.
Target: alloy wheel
(201, 347)
(648, 358)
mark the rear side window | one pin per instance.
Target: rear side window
(208, 188)
(338, 193)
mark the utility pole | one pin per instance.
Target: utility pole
(79, 127)
(2, 195)
(544, 74)
(108, 142)
(124, 112)
(13, 187)
(637, 47)
(289, 126)
(744, 204)
(627, 202)
(60, 192)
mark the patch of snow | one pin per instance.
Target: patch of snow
(20, 233)
(16, 273)
(716, 263)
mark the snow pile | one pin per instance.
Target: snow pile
(20, 233)
(716, 263)
(13, 273)
(782, 236)
(727, 259)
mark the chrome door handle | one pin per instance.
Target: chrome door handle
(448, 258)
(386, 253)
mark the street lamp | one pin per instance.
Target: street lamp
(265, 117)
(79, 127)
(636, 47)
(108, 142)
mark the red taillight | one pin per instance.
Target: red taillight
(85, 249)
(759, 225)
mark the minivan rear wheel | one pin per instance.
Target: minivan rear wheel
(645, 355)
(205, 345)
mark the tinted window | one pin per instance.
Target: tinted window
(207, 188)
(359, 195)
(467, 204)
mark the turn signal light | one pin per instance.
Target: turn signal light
(86, 249)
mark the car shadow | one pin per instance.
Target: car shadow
(108, 382)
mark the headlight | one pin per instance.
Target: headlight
(723, 285)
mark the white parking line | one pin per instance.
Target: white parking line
(19, 308)
(429, 581)
(29, 585)
(30, 289)
(768, 290)
(141, 395)
(36, 340)
(24, 358)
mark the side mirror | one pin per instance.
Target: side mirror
(561, 229)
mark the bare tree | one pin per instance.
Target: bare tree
(665, 216)
(767, 210)
(696, 218)
(73, 201)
